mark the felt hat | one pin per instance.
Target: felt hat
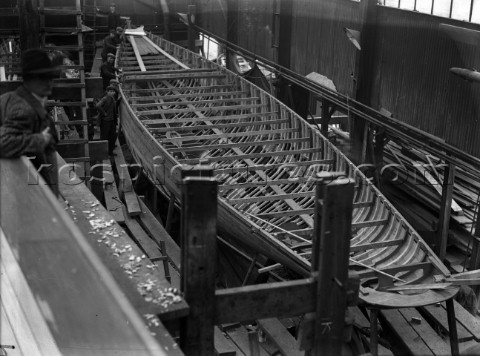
(119, 28)
(112, 4)
(110, 55)
(111, 87)
(36, 61)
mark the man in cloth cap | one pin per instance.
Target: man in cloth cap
(107, 109)
(108, 70)
(113, 18)
(25, 126)
(110, 45)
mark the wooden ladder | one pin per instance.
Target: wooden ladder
(76, 86)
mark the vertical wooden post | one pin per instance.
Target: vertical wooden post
(326, 116)
(199, 229)
(374, 332)
(452, 327)
(333, 220)
(365, 74)
(191, 29)
(475, 256)
(445, 208)
(29, 23)
(232, 31)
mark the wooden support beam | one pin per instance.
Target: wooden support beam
(267, 115)
(192, 102)
(210, 88)
(326, 116)
(452, 327)
(330, 260)
(29, 21)
(199, 231)
(278, 299)
(227, 94)
(445, 209)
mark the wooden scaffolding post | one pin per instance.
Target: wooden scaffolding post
(445, 208)
(332, 232)
(191, 27)
(199, 230)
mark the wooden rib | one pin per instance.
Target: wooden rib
(149, 77)
(199, 109)
(251, 156)
(211, 118)
(194, 102)
(247, 144)
(269, 166)
(180, 89)
(269, 198)
(375, 245)
(224, 135)
(393, 270)
(194, 128)
(224, 187)
(173, 72)
(369, 223)
(232, 94)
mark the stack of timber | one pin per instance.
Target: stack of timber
(420, 176)
(189, 111)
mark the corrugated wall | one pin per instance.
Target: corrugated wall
(415, 83)
(412, 59)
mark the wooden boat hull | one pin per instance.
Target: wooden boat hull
(179, 110)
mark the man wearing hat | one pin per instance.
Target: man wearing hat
(113, 18)
(25, 127)
(107, 109)
(110, 45)
(108, 70)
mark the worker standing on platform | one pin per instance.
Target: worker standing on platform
(110, 45)
(108, 70)
(26, 128)
(107, 109)
(113, 18)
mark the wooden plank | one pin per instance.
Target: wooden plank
(158, 232)
(439, 316)
(121, 255)
(148, 246)
(125, 185)
(360, 319)
(112, 199)
(425, 331)
(467, 320)
(137, 54)
(58, 252)
(240, 338)
(406, 334)
(223, 347)
(171, 71)
(280, 336)
(277, 299)
(274, 182)
(22, 310)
